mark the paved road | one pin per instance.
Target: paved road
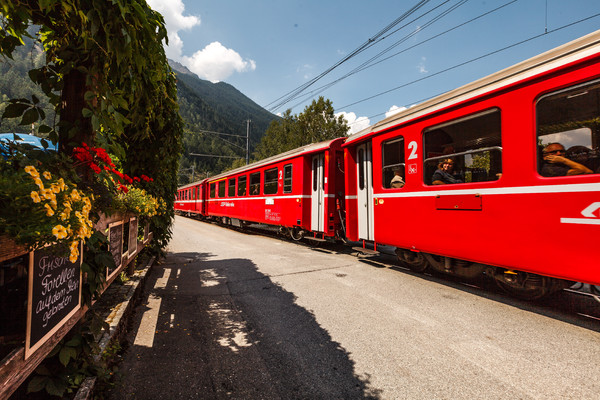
(244, 316)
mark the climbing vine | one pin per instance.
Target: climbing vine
(108, 80)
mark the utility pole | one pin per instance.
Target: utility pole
(247, 139)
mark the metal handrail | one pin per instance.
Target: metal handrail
(463, 153)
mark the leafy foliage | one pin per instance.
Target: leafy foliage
(106, 81)
(315, 124)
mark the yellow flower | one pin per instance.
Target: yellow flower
(30, 169)
(55, 188)
(61, 184)
(35, 197)
(74, 251)
(48, 195)
(38, 182)
(75, 195)
(47, 175)
(49, 210)
(59, 231)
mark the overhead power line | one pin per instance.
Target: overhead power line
(464, 63)
(371, 62)
(294, 93)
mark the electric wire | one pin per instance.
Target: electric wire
(468, 62)
(285, 98)
(371, 62)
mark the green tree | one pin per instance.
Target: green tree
(317, 123)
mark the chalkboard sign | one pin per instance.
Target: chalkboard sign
(54, 294)
(115, 242)
(133, 233)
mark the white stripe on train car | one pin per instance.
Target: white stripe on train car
(571, 188)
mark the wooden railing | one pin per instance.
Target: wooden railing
(21, 361)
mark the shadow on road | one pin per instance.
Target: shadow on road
(225, 330)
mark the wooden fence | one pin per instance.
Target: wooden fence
(47, 289)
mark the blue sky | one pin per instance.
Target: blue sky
(267, 48)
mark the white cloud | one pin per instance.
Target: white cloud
(421, 66)
(172, 12)
(394, 110)
(216, 62)
(355, 124)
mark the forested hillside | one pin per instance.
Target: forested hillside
(204, 106)
(217, 108)
(15, 84)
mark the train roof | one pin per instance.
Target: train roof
(583, 47)
(308, 149)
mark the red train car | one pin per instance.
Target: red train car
(190, 199)
(501, 176)
(301, 191)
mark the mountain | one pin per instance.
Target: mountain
(204, 106)
(216, 107)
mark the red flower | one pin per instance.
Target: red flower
(123, 188)
(127, 178)
(96, 168)
(136, 179)
(145, 178)
(102, 155)
(120, 175)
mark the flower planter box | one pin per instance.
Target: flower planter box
(9, 249)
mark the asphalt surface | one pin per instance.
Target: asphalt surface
(245, 316)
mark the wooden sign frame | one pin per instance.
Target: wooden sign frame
(32, 346)
(133, 233)
(110, 274)
(146, 232)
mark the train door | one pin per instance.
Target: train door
(365, 191)
(317, 214)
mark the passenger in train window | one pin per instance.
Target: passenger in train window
(584, 156)
(398, 180)
(445, 173)
(556, 162)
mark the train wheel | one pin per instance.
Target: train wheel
(413, 260)
(296, 234)
(523, 285)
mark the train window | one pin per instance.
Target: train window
(255, 184)
(242, 185)
(222, 188)
(198, 192)
(392, 155)
(465, 150)
(231, 188)
(213, 190)
(270, 181)
(361, 169)
(287, 178)
(568, 131)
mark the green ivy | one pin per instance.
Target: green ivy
(107, 77)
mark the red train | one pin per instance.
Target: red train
(499, 177)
